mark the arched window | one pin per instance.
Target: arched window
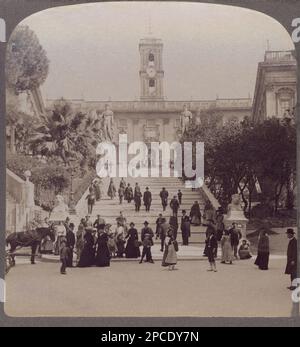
(151, 83)
(151, 57)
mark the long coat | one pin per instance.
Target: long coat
(291, 257)
(111, 192)
(102, 258)
(147, 198)
(164, 197)
(174, 204)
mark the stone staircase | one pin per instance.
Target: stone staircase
(110, 209)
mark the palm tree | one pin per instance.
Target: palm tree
(65, 134)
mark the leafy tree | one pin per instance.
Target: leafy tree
(238, 154)
(26, 62)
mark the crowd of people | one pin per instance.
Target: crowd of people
(97, 242)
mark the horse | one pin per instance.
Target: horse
(31, 238)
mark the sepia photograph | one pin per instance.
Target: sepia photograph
(151, 162)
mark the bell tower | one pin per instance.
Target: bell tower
(151, 69)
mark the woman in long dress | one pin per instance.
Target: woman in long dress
(263, 251)
(87, 257)
(195, 214)
(120, 240)
(128, 193)
(185, 228)
(102, 258)
(80, 239)
(227, 256)
(132, 249)
(170, 255)
(111, 192)
(97, 189)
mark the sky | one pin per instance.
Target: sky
(209, 50)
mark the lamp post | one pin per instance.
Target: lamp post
(72, 208)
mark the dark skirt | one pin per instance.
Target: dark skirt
(163, 263)
(120, 248)
(131, 251)
(87, 257)
(102, 258)
(210, 254)
(262, 260)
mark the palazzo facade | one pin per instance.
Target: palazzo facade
(152, 118)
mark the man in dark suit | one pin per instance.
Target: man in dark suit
(147, 235)
(147, 198)
(174, 204)
(70, 237)
(291, 266)
(164, 198)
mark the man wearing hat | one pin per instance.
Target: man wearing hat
(147, 235)
(147, 198)
(291, 266)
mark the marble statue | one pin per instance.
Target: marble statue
(186, 117)
(108, 123)
(60, 205)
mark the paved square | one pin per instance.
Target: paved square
(133, 289)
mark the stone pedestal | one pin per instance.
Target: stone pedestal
(236, 215)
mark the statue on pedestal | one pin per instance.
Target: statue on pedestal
(108, 123)
(236, 215)
(185, 118)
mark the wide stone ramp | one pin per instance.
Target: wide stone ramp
(110, 209)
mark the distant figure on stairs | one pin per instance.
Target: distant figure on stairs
(97, 188)
(121, 191)
(91, 198)
(179, 195)
(174, 204)
(122, 183)
(185, 228)
(137, 197)
(195, 214)
(111, 192)
(164, 198)
(128, 193)
(147, 198)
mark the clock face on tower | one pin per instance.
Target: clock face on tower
(151, 71)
